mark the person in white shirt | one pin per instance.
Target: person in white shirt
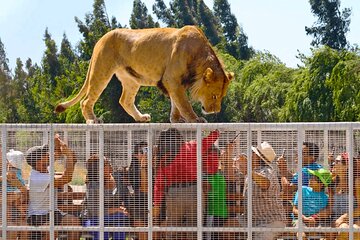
(39, 187)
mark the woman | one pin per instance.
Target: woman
(137, 175)
(114, 214)
(339, 194)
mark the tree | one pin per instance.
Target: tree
(332, 25)
(189, 12)
(25, 103)
(50, 61)
(310, 97)
(5, 81)
(209, 23)
(236, 40)
(140, 18)
(344, 84)
(95, 26)
(163, 13)
(258, 92)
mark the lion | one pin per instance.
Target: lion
(174, 60)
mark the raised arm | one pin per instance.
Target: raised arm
(210, 140)
(62, 149)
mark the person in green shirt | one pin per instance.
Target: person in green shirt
(217, 208)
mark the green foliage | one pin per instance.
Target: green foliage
(258, 92)
(326, 89)
(5, 81)
(344, 83)
(140, 18)
(150, 100)
(332, 25)
(236, 40)
(189, 12)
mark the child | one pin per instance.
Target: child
(315, 208)
(15, 162)
(18, 192)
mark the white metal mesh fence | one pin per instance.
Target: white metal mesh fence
(95, 181)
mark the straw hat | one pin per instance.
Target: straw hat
(265, 152)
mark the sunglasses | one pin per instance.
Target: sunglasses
(144, 150)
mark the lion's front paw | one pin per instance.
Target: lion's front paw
(201, 120)
(144, 118)
(177, 120)
(94, 121)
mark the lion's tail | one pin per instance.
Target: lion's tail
(61, 107)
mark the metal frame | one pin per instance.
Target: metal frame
(249, 128)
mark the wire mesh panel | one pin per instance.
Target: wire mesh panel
(184, 181)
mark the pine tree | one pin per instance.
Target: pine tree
(95, 26)
(209, 23)
(332, 25)
(140, 18)
(236, 40)
(163, 13)
(184, 12)
(50, 61)
(5, 81)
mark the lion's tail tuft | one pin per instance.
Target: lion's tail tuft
(60, 108)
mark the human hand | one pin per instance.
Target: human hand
(240, 163)
(309, 221)
(282, 164)
(11, 178)
(342, 219)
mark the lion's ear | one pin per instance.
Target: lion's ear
(208, 75)
(230, 75)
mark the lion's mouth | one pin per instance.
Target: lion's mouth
(207, 112)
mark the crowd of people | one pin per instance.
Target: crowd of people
(274, 190)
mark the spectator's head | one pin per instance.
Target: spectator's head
(265, 152)
(141, 148)
(310, 152)
(169, 143)
(320, 179)
(342, 158)
(93, 168)
(15, 158)
(38, 157)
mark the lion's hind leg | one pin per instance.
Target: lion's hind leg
(97, 86)
(127, 99)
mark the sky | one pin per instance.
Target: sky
(276, 26)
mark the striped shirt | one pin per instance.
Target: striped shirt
(266, 204)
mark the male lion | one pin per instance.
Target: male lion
(172, 59)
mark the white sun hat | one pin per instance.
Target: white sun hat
(15, 158)
(265, 152)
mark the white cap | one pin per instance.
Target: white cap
(15, 158)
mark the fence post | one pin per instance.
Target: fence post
(4, 183)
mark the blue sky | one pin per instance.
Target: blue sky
(277, 26)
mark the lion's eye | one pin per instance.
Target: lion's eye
(214, 97)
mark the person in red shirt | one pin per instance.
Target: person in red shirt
(176, 178)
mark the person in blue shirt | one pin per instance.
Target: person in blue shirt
(310, 155)
(315, 207)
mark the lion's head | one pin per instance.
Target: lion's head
(211, 89)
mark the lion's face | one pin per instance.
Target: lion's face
(212, 90)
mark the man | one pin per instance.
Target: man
(176, 178)
(39, 188)
(267, 208)
(310, 155)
